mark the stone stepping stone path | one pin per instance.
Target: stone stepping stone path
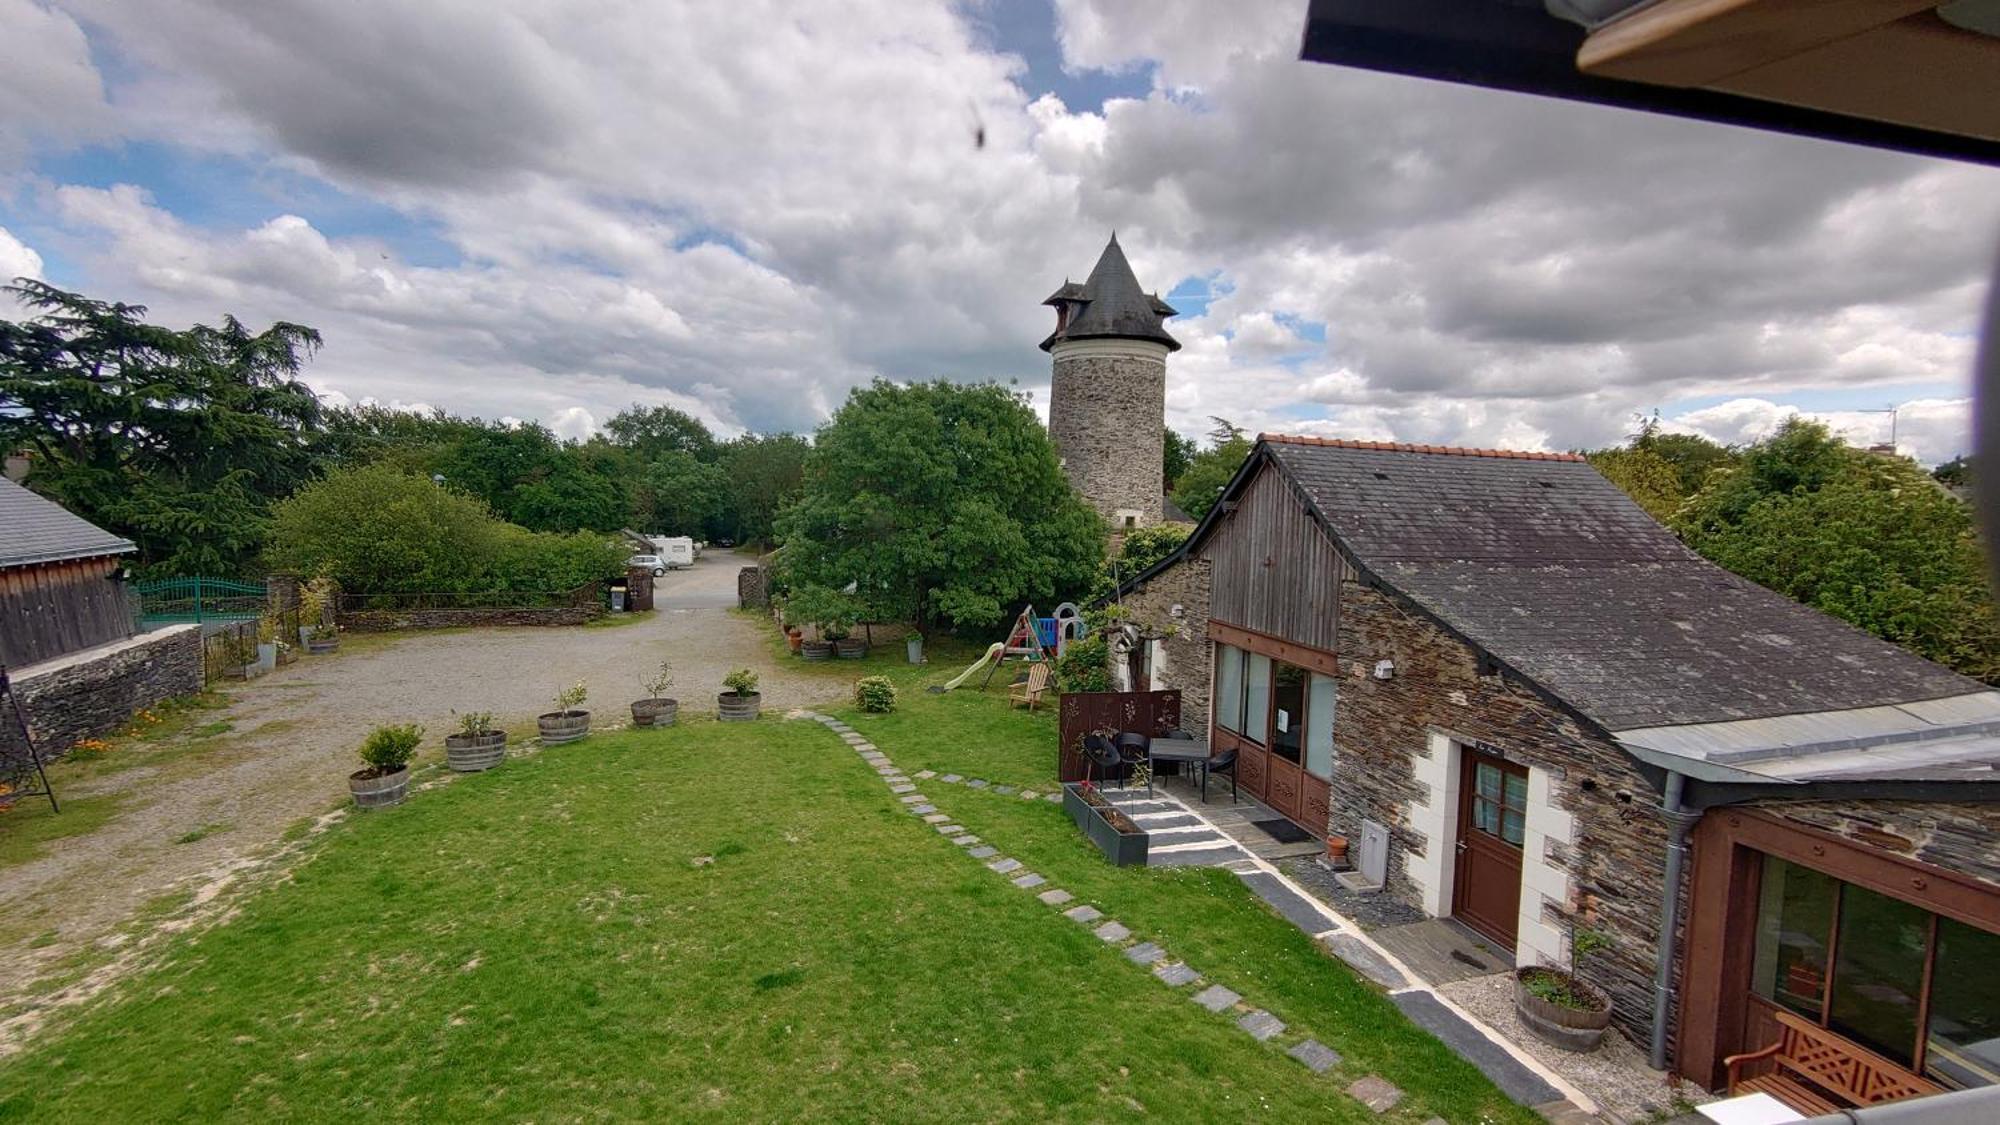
(1176, 837)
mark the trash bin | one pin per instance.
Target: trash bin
(915, 647)
(618, 599)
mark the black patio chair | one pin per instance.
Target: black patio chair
(1103, 758)
(1136, 749)
(1224, 762)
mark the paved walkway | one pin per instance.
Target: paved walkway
(1516, 1072)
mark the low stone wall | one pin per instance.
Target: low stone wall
(753, 587)
(390, 620)
(89, 693)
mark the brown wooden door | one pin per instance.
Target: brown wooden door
(1492, 822)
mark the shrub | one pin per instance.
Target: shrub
(656, 685)
(830, 611)
(875, 693)
(388, 749)
(475, 723)
(568, 698)
(742, 681)
(1085, 665)
(378, 529)
(542, 560)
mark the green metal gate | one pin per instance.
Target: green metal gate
(168, 601)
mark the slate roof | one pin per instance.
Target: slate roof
(35, 530)
(1110, 305)
(1546, 566)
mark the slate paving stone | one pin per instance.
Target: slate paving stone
(1507, 1072)
(1145, 953)
(1364, 960)
(1317, 1056)
(1055, 897)
(946, 829)
(1112, 931)
(951, 779)
(1029, 880)
(1084, 914)
(905, 787)
(936, 818)
(1217, 998)
(1297, 909)
(1053, 797)
(923, 810)
(1260, 1024)
(977, 783)
(895, 778)
(1376, 1092)
(924, 775)
(1196, 857)
(966, 840)
(1176, 974)
(1004, 790)
(914, 798)
(983, 851)
(1003, 866)
(1028, 794)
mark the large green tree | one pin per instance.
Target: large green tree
(653, 431)
(178, 439)
(680, 495)
(1201, 485)
(1176, 458)
(765, 473)
(1872, 540)
(940, 503)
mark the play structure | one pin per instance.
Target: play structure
(1032, 639)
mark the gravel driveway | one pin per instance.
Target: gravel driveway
(292, 743)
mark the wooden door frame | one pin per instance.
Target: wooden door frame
(1466, 838)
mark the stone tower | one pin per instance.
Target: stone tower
(1108, 398)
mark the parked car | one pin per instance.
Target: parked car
(654, 563)
(725, 541)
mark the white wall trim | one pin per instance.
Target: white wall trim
(1112, 346)
(1542, 879)
(1435, 819)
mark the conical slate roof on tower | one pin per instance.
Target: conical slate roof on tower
(1110, 305)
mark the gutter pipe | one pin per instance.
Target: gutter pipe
(1679, 821)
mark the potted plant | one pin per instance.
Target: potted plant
(1114, 833)
(385, 780)
(477, 745)
(315, 599)
(656, 710)
(741, 702)
(567, 722)
(1557, 1006)
(322, 639)
(267, 644)
(832, 615)
(1336, 851)
(875, 694)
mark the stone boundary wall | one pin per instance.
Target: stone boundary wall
(753, 587)
(390, 620)
(98, 690)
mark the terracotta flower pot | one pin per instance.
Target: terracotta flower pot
(794, 639)
(1336, 850)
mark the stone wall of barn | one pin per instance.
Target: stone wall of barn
(1957, 836)
(1181, 656)
(89, 693)
(1595, 839)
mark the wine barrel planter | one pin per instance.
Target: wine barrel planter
(563, 726)
(733, 708)
(321, 648)
(850, 648)
(373, 789)
(655, 712)
(470, 753)
(816, 651)
(1572, 1029)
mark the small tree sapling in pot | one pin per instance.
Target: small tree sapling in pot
(568, 722)
(385, 779)
(656, 710)
(476, 745)
(741, 702)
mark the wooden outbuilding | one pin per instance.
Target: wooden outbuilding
(59, 586)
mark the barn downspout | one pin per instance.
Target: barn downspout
(1679, 820)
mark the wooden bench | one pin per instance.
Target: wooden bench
(1817, 1072)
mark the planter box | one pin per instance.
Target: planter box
(655, 712)
(850, 648)
(1571, 1029)
(379, 792)
(1123, 849)
(563, 726)
(733, 708)
(471, 753)
(816, 651)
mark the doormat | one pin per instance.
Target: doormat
(1283, 831)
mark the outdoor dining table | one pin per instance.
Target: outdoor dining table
(1173, 750)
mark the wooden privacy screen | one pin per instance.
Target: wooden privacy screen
(1080, 712)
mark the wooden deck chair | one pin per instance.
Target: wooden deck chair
(1030, 693)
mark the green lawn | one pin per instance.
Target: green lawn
(728, 922)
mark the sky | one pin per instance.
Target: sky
(535, 210)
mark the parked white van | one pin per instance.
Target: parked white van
(676, 551)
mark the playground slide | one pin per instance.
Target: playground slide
(992, 654)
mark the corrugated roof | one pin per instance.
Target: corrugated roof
(1552, 570)
(37, 530)
(1110, 305)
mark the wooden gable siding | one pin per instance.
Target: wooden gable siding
(1274, 571)
(52, 609)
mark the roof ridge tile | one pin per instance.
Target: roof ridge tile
(1407, 447)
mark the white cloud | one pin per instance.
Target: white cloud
(17, 259)
(745, 210)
